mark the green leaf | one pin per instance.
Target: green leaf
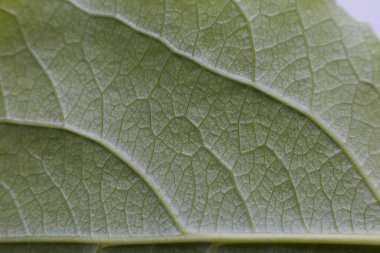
(201, 126)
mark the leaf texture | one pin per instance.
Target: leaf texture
(185, 248)
(132, 122)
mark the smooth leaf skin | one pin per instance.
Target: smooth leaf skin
(260, 248)
(48, 248)
(140, 122)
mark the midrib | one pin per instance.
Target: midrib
(216, 237)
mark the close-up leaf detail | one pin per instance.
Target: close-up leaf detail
(188, 126)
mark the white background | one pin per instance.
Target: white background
(367, 11)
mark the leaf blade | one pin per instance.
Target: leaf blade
(183, 119)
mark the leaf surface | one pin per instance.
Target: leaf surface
(140, 122)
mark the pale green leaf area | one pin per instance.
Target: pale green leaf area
(188, 126)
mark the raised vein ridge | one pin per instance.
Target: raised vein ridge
(244, 81)
(113, 150)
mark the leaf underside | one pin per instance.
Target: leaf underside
(187, 126)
